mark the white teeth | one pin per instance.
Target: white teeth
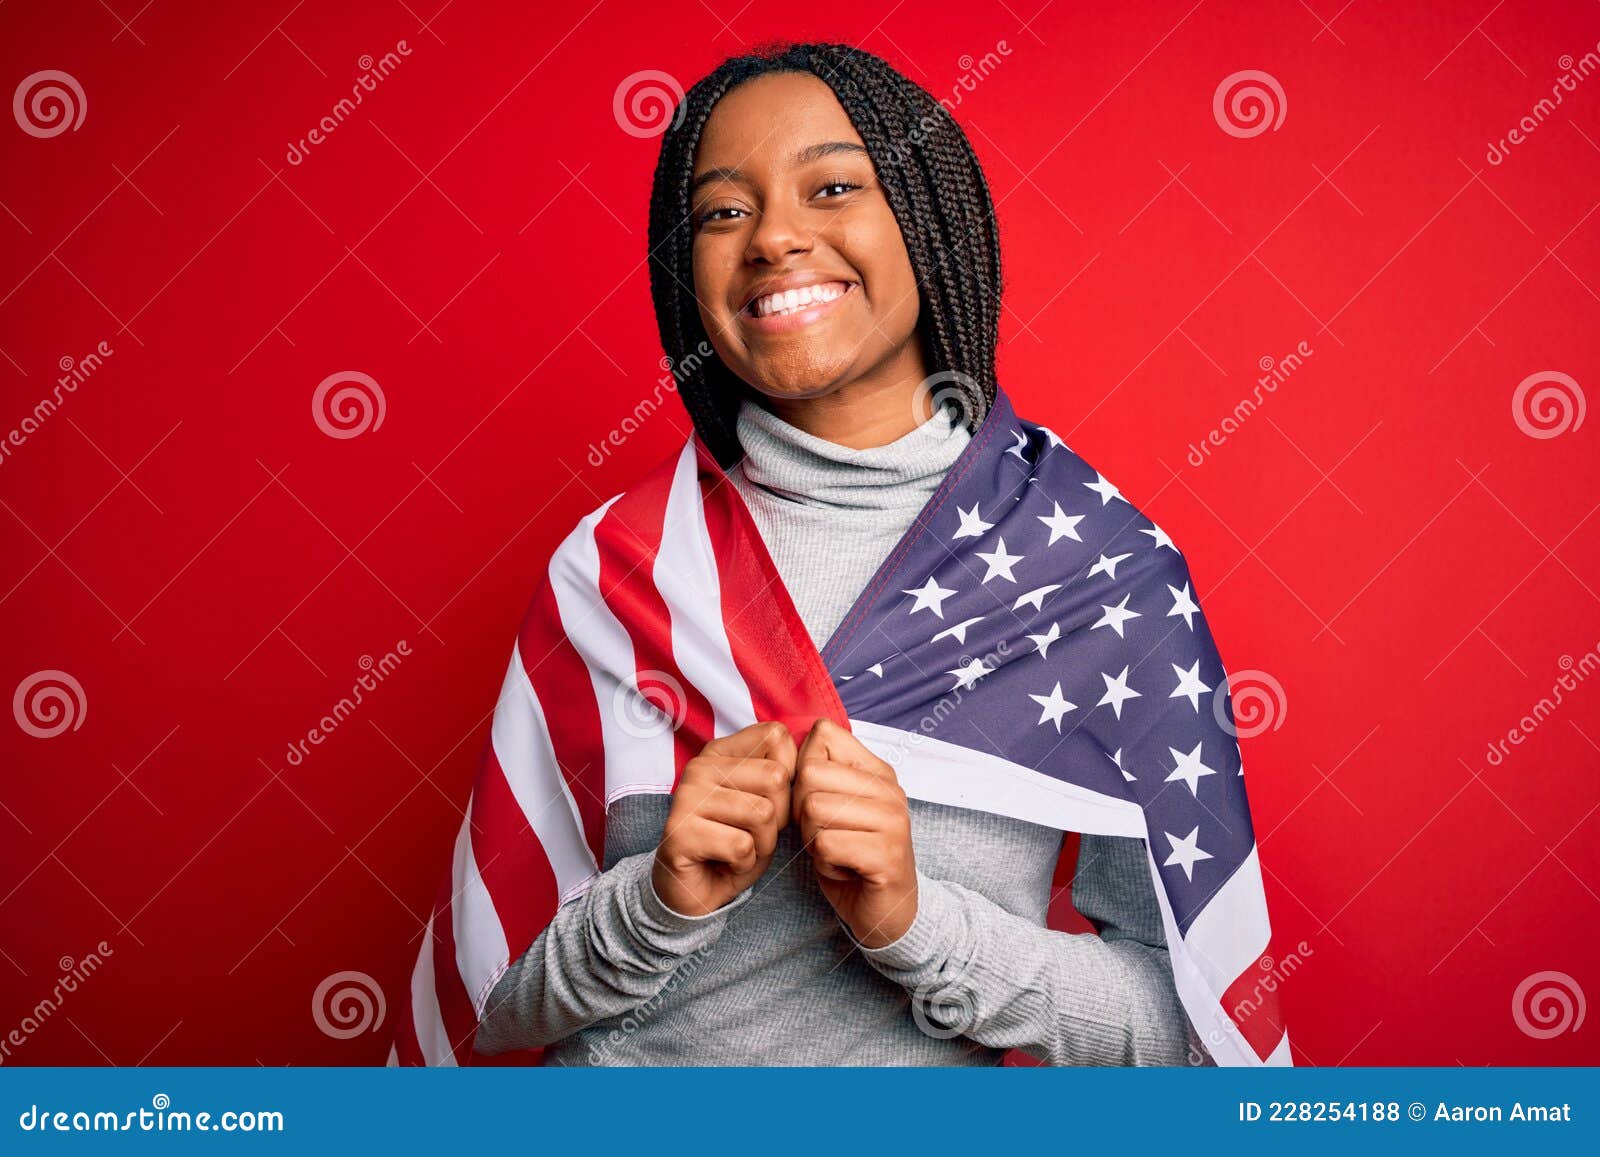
(794, 299)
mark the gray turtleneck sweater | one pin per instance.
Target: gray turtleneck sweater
(774, 977)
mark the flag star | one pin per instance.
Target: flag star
(1189, 769)
(1000, 563)
(930, 597)
(1054, 707)
(1116, 758)
(876, 669)
(1104, 489)
(1022, 441)
(1055, 439)
(1043, 641)
(959, 632)
(969, 673)
(1185, 852)
(1115, 616)
(1182, 604)
(1061, 524)
(1189, 685)
(1117, 690)
(1159, 537)
(1035, 597)
(972, 524)
(1107, 566)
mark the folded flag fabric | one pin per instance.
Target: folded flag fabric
(1033, 647)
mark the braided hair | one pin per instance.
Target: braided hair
(934, 186)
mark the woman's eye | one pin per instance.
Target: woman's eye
(847, 186)
(708, 215)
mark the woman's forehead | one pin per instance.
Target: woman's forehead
(769, 120)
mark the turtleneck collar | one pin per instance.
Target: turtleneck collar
(788, 462)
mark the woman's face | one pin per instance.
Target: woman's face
(802, 277)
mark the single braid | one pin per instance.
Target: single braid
(933, 183)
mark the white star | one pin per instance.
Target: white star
(1159, 537)
(1022, 441)
(1185, 852)
(1116, 758)
(1043, 641)
(969, 673)
(1107, 566)
(1189, 769)
(972, 524)
(877, 669)
(1061, 524)
(1182, 604)
(1117, 690)
(1189, 685)
(1035, 597)
(1055, 439)
(1115, 616)
(930, 597)
(1000, 563)
(1104, 489)
(1054, 707)
(959, 632)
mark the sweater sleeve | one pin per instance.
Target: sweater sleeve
(974, 968)
(605, 953)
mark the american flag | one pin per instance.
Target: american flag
(1032, 647)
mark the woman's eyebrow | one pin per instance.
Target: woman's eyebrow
(804, 157)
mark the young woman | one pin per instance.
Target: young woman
(777, 896)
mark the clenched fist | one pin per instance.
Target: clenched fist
(729, 806)
(854, 821)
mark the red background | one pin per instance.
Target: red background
(1381, 537)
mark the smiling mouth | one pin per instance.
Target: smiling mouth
(795, 301)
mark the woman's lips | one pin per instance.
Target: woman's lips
(799, 319)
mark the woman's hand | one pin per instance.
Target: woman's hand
(853, 820)
(726, 813)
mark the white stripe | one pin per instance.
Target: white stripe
(522, 744)
(1232, 931)
(481, 949)
(431, 1035)
(686, 575)
(938, 772)
(637, 758)
(394, 1057)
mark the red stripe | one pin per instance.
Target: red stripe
(408, 1051)
(514, 868)
(1254, 1009)
(561, 680)
(771, 646)
(455, 1005)
(629, 541)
